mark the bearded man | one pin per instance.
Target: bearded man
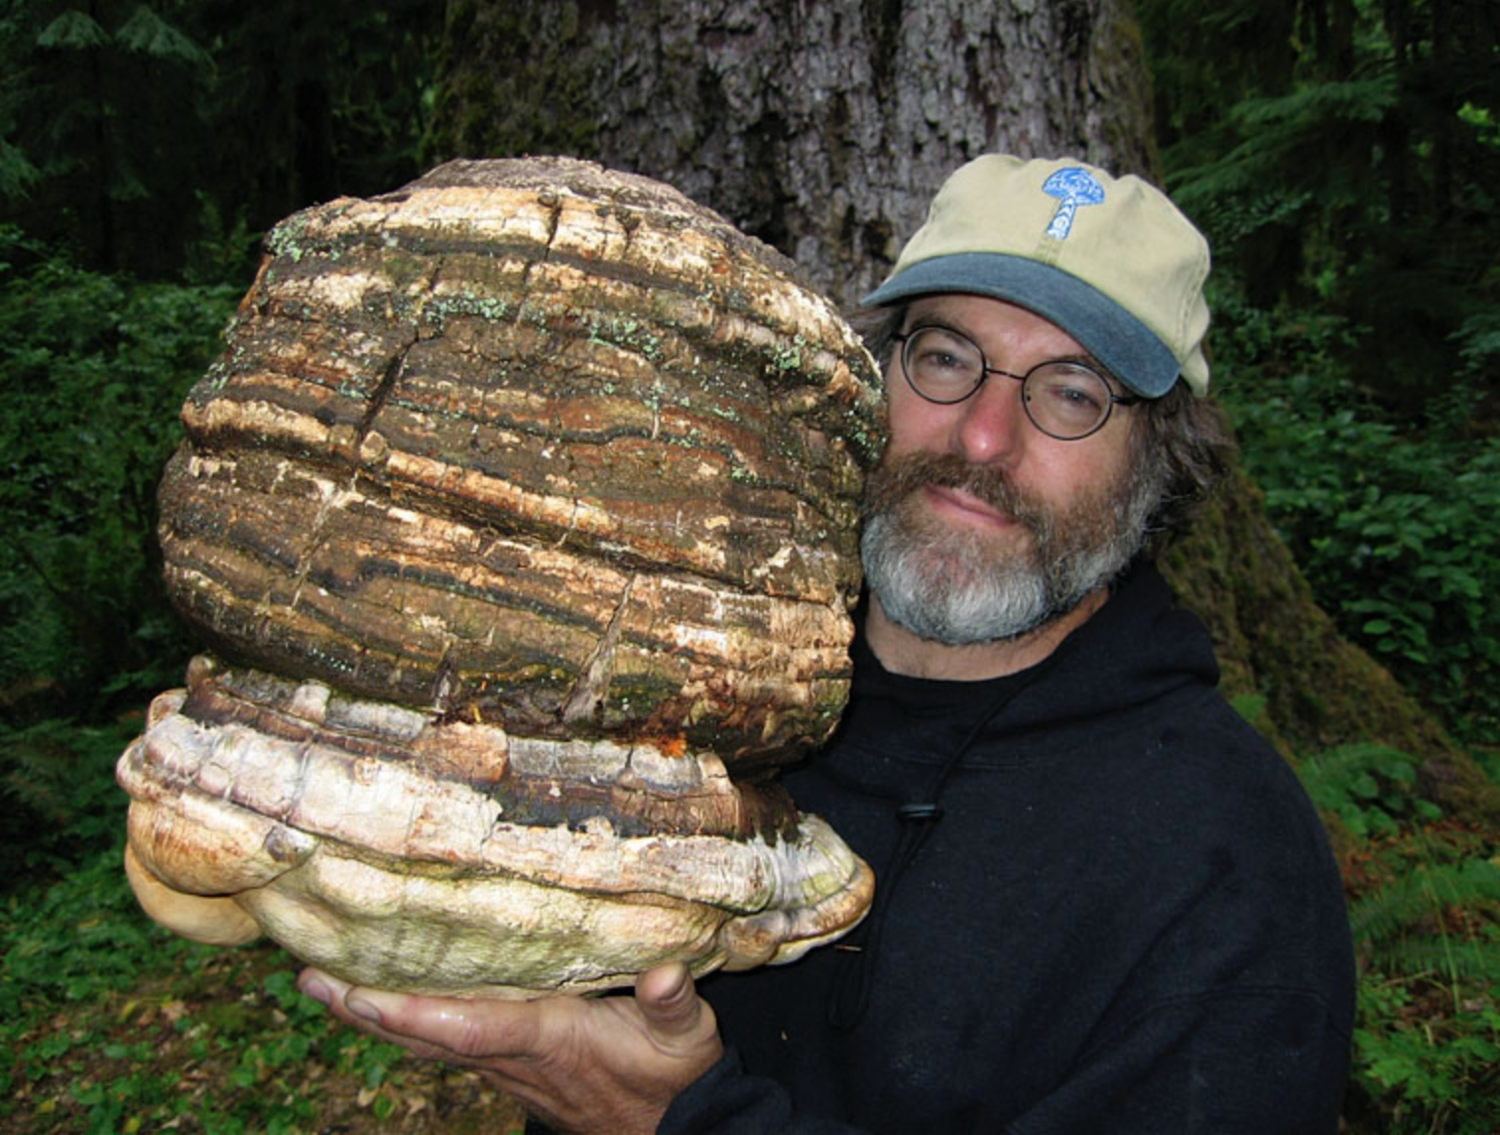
(1103, 902)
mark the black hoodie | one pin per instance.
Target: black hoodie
(1110, 908)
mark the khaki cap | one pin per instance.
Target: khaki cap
(1109, 260)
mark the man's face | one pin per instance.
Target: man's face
(979, 526)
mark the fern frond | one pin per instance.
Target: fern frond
(1337, 774)
(1426, 891)
(1447, 958)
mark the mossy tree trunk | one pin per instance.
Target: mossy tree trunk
(824, 127)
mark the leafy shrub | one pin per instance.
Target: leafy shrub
(1427, 1037)
(1395, 524)
(94, 369)
(1367, 786)
(1425, 918)
(1433, 1075)
(58, 798)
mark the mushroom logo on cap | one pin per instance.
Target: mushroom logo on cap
(1074, 186)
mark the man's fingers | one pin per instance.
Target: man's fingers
(441, 1027)
(670, 1005)
(318, 985)
(587, 1064)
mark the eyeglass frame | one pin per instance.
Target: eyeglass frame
(985, 370)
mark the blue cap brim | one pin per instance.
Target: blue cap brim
(1125, 346)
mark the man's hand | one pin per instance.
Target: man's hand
(607, 1064)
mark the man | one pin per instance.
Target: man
(1103, 903)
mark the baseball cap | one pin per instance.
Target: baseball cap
(1109, 260)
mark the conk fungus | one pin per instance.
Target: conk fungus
(519, 518)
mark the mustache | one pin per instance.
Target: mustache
(894, 480)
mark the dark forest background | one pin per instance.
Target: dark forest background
(1342, 155)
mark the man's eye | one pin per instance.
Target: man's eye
(941, 360)
(1077, 396)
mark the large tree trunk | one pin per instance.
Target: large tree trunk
(821, 126)
(824, 127)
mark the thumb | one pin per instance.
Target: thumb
(671, 1007)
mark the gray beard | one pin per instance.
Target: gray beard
(960, 586)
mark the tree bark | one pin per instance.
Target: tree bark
(824, 127)
(821, 127)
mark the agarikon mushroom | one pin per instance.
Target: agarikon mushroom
(518, 519)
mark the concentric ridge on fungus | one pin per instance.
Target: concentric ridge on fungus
(522, 508)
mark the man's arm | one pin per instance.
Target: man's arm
(605, 1064)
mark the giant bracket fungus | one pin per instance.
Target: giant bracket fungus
(518, 523)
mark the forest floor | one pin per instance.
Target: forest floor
(230, 1046)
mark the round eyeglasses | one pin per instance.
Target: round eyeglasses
(1068, 401)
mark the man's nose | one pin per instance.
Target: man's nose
(993, 427)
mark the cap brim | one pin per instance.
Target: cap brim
(1124, 345)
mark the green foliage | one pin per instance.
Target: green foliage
(1433, 1078)
(1397, 529)
(142, 132)
(1382, 919)
(1343, 159)
(1425, 918)
(143, 1066)
(1368, 787)
(57, 798)
(83, 94)
(94, 371)
(159, 138)
(76, 940)
(1344, 155)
